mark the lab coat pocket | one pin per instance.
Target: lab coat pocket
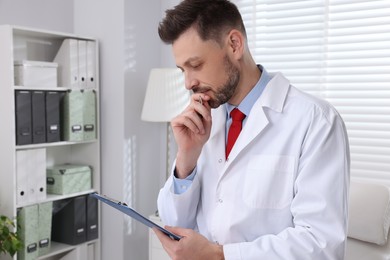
(269, 181)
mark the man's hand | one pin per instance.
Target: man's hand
(192, 245)
(191, 130)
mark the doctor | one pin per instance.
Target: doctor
(280, 191)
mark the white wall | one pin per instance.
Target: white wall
(54, 15)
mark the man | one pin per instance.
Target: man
(280, 191)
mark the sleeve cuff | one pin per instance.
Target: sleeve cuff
(181, 185)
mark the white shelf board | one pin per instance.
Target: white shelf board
(53, 144)
(57, 248)
(41, 88)
(55, 197)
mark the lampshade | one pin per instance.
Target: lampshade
(166, 95)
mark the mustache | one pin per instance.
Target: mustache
(200, 89)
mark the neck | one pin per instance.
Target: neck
(249, 76)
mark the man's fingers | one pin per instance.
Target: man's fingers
(183, 232)
(162, 236)
(192, 120)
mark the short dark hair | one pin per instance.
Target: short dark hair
(211, 19)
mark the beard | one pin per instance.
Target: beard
(224, 93)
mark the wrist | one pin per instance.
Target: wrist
(183, 169)
(180, 175)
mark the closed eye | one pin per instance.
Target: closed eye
(196, 66)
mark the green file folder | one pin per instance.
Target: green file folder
(44, 230)
(28, 224)
(72, 108)
(89, 114)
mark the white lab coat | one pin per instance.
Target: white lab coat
(283, 192)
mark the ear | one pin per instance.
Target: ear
(236, 43)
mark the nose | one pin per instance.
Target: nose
(190, 81)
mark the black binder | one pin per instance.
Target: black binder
(38, 117)
(69, 221)
(23, 117)
(92, 218)
(53, 128)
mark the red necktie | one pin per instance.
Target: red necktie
(235, 129)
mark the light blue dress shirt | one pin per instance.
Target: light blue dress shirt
(181, 185)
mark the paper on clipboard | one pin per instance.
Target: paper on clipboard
(134, 214)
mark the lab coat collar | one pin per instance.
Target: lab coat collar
(275, 93)
(273, 97)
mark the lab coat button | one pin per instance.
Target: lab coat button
(220, 200)
(220, 160)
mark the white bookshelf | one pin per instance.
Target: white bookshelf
(20, 43)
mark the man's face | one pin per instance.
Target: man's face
(207, 67)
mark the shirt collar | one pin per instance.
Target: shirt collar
(247, 103)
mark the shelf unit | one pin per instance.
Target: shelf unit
(21, 43)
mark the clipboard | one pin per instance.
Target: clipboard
(134, 214)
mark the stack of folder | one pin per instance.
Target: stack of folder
(76, 64)
(69, 221)
(37, 116)
(53, 116)
(79, 115)
(75, 220)
(34, 224)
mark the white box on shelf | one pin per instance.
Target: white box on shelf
(35, 74)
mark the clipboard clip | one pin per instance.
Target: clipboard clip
(115, 201)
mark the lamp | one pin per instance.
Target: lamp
(165, 98)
